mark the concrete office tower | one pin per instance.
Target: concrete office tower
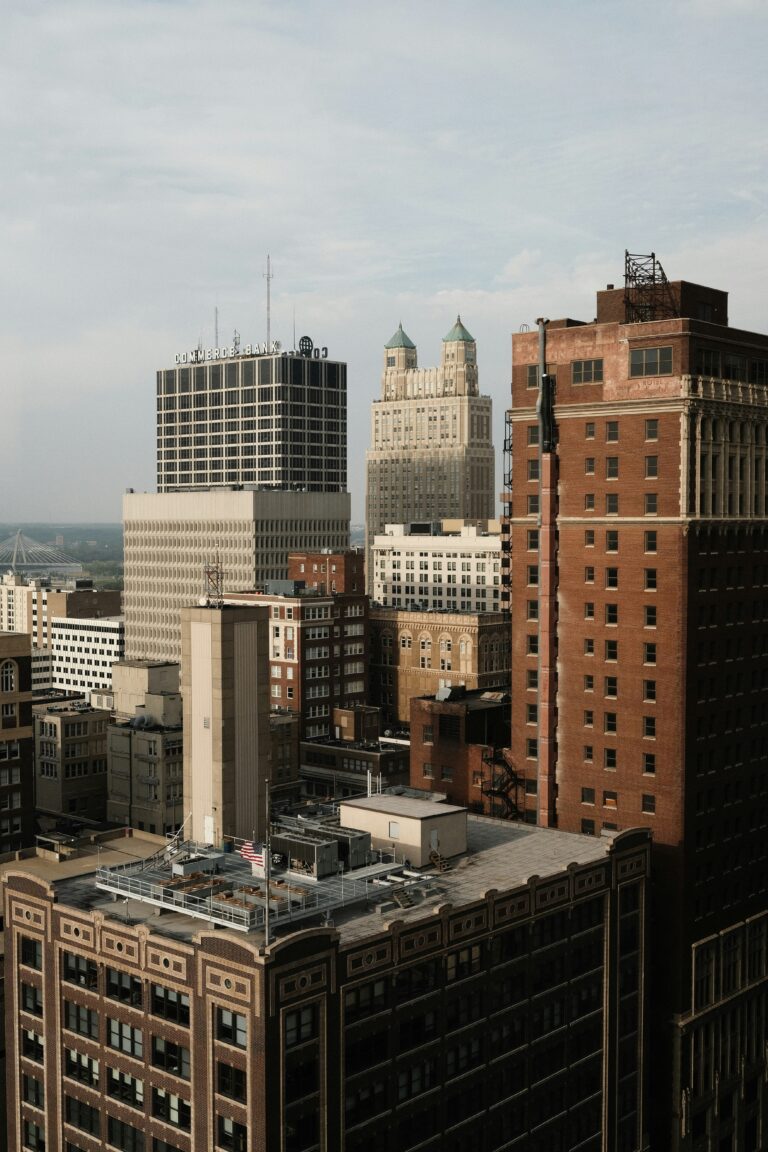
(225, 686)
(83, 652)
(431, 454)
(276, 420)
(639, 519)
(449, 565)
(17, 743)
(170, 537)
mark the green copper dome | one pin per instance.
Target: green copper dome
(458, 332)
(400, 340)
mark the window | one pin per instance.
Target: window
(32, 1045)
(170, 1004)
(611, 613)
(171, 1056)
(301, 1025)
(589, 538)
(650, 541)
(125, 1087)
(589, 646)
(34, 1136)
(589, 430)
(82, 1020)
(649, 653)
(588, 753)
(589, 718)
(588, 827)
(652, 429)
(32, 1091)
(609, 722)
(123, 986)
(589, 610)
(533, 435)
(589, 574)
(531, 748)
(32, 999)
(651, 503)
(612, 540)
(125, 1038)
(610, 759)
(428, 771)
(79, 970)
(610, 799)
(612, 504)
(533, 539)
(124, 1136)
(531, 714)
(230, 1081)
(649, 690)
(82, 1115)
(611, 685)
(611, 431)
(589, 466)
(649, 615)
(648, 804)
(611, 577)
(231, 1027)
(649, 763)
(532, 679)
(651, 361)
(533, 468)
(80, 1067)
(651, 467)
(589, 683)
(611, 649)
(532, 610)
(532, 645)
(650, 580)
(586, 371)
(589, 502)
(649, 727)
(611, 467)
(587, 795)
(446, 773)
(166, 1106)
(31, 952)
(8, 676)
(533, 575)
(231, 1135)
(533, 505)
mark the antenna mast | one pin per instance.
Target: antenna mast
(216, 325)
(269, 277)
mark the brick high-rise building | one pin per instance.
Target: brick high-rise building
(17, 743)
(639, 525)
(431, 454)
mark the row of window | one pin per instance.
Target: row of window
(642, 362)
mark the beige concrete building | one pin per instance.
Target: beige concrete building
(28, 605)
(71, 760)
(412, 828)
(446, 565)
(144, 747)
(224, 682)
(431, 454)
(421, 653)
(170, 537)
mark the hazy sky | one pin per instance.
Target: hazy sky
(400, 161)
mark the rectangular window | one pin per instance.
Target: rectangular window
(82, 1115)
(532, 610)
(649, 727)
(651, 467)
(649, 583)
(611, 431)
(649, 690)
(125, 1038)
(649, 615)
(587, 795)
(612, 540)
(651, 503)
(82, 1020)
(531, 714)
(532, 645)
(79, 970)
(611, 613)
(588, 753)
(610, 799)
(650, 539)
(587, 827)
(651, 361)
(611, 686)
(231, 1027)
(531, 748)
(611, 577)
(32, 999)
(586, 371)
(589, 646)
(611, 467)
(533, 505)
(589, 574)
(589, 610)
(649, 804)
(533, 435)
(611, 649)
(589, 430)
(652, 429)
(589, 538)
(589, 502)
(80, 1067)
(589, 718)
(610, 759)
(533, 539)
(233, 1137)
(649, 763)
(171, 1108)
(124, 1136)
(125, 1087)
(589, 466)
(170, 1004)
(301, 1025)
(612, 504)
(532, 679)
(609, 722)
(649, 653)
(170, 1056)
(589, 683)
(533, 468)
(533, 575)
(30, 952)
(122, 986)
(230, 1081)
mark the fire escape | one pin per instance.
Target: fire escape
(502, 784)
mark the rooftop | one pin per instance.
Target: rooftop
(137, 882)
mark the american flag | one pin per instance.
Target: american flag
(253, 852)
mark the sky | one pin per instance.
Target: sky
(400, 161)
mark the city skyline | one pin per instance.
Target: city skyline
(398, 164)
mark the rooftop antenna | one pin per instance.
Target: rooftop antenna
(269, 277)
(294, 327)
(216, 326)
(213, 583)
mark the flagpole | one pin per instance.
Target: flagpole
(267, 864)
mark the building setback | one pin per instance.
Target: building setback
(639, 526)
(494, 1006)
(431, 454)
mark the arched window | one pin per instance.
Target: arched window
(8, 676)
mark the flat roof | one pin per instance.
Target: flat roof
(408, 806)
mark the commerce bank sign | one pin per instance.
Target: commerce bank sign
(274, 348)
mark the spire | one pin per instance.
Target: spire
(458, 332)
(400, 340)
